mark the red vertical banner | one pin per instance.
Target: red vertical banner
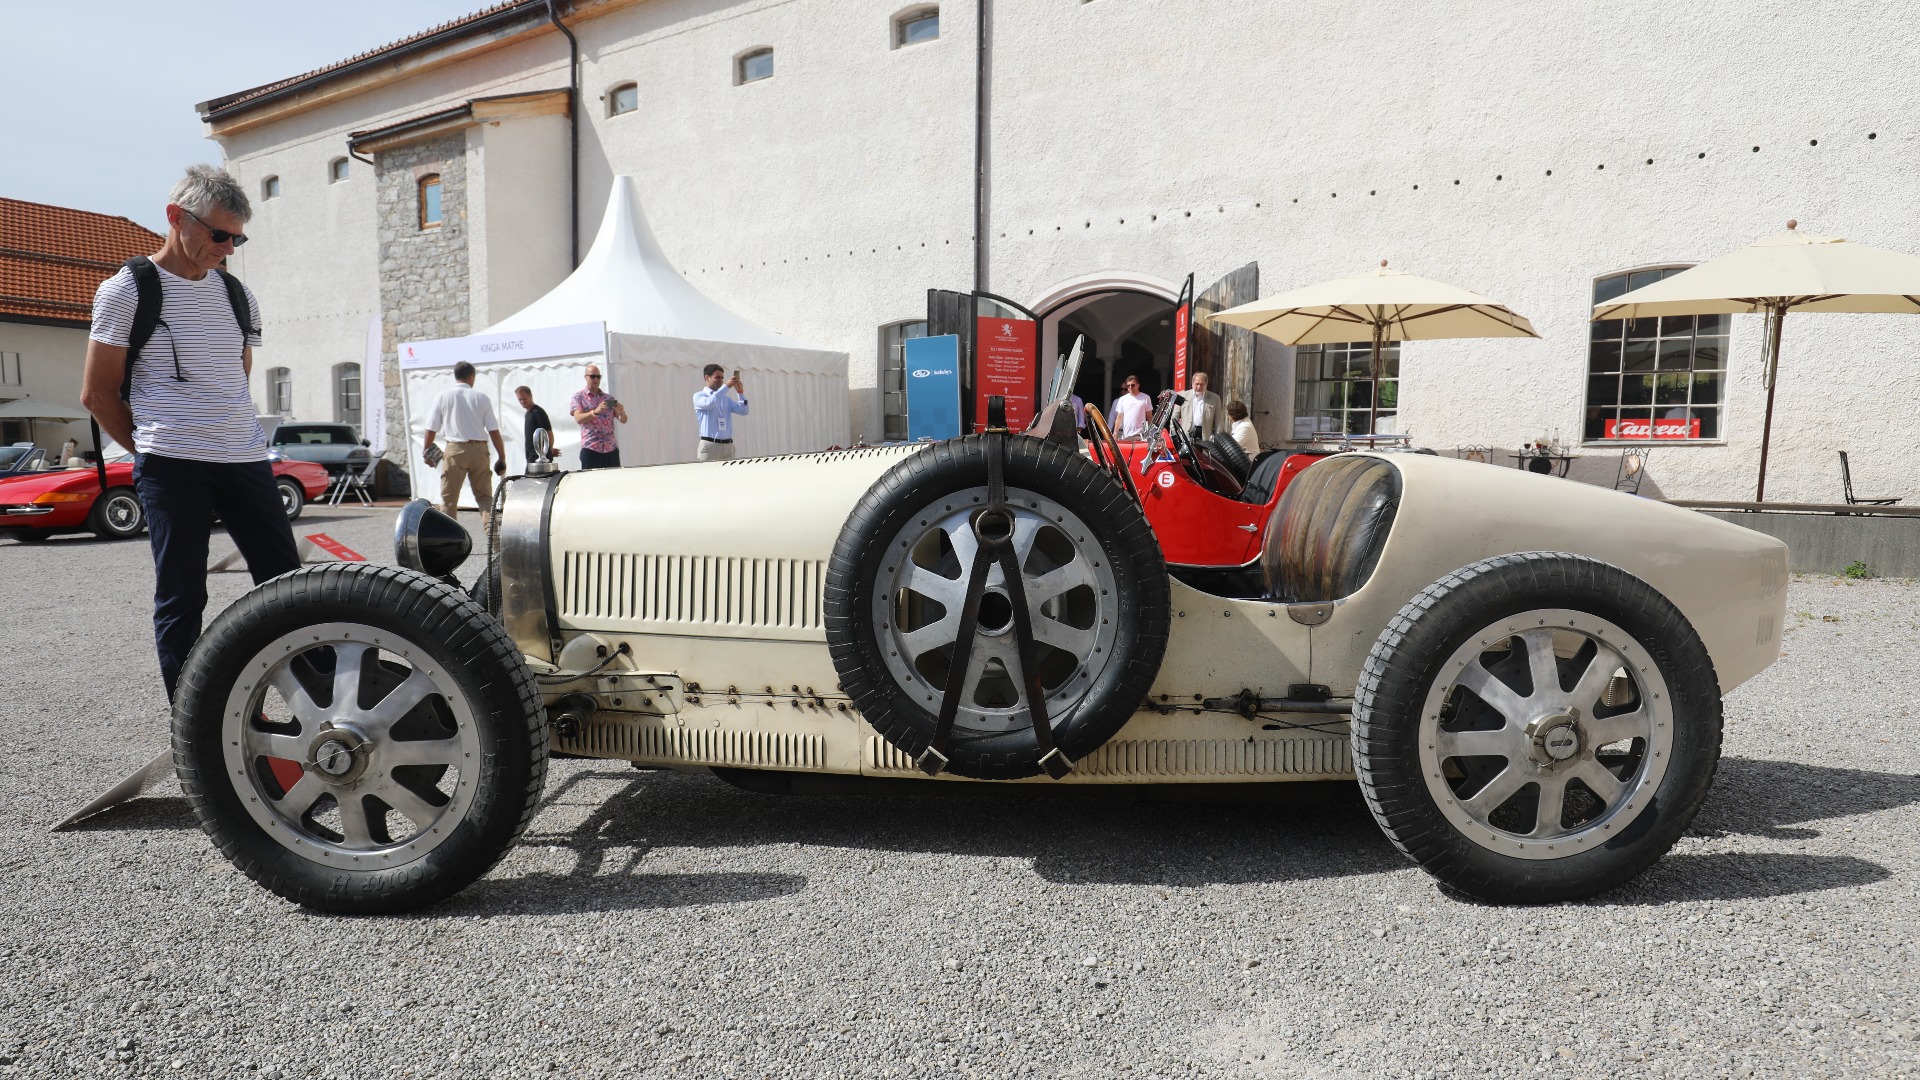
(1182, 325)
(1007, 363)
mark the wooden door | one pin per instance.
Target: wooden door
(1226, 353)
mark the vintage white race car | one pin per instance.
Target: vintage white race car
(1524, 673)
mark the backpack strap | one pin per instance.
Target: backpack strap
(146, 314)
(242, 311)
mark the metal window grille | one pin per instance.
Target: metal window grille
(893, 377)
(1669, 371)
(346, 393)
(1334, 388)
(10, 369)
(280, 391)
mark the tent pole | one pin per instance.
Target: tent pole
(1776, 320)
(1373, 396)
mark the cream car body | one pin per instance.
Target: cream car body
(712, 576)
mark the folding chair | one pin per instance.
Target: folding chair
(1846, 484)
(1633, 469)
(349, 481)
(1482, 454)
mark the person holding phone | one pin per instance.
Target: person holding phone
(714, 407)
(596, 411)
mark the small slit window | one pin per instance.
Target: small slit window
(270, 188)
(623, 99)
(915, 25)
(337, 170)
(753, 66)
(430, 201)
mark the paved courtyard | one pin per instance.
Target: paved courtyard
(658, 924)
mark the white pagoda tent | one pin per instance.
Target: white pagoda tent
(651, 331)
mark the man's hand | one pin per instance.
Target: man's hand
(500, 467)
(106, 369)
(736, 386)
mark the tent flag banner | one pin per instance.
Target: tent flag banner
(532, 344)
(933, 387)
(1182, 326)
(1007, 359)
(373, 390)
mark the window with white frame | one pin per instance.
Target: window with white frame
(623, 99)
(10, 369)
(1334, 389)
(915, 25)
(753, 66)
(280, 391)
(1655, 378)
(337, 170)
(346, 393)
(893, 377)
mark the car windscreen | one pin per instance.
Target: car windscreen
(314, 436)
(11, 455)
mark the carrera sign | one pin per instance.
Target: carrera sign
(1653, 429)
(1005, 354)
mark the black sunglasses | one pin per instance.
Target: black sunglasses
(593, 376)
(219, 236)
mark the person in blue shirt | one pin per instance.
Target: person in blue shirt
(715, 406)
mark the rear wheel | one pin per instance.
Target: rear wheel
(292, 498)
(1536, 728)
(117, 515)
(359, 739)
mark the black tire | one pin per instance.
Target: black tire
(1119, 632)
(1228, 453)
(117, 515)
(293, 499)
(1438, 762)
(469, 757)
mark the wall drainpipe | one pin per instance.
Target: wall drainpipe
(573, 126)
(980, 149)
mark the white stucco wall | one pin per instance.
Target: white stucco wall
(51, 361)
(1164, 138)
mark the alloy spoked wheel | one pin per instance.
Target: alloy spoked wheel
(1536, 728)
(358, 738)
(118, 515)
(1069, 586)
(349, 746)
(1547, 731)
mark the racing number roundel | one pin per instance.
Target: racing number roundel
(1165, 479)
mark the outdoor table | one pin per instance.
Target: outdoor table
(1558, 463)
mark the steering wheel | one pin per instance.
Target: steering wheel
(1198, 461)
(1106, 450)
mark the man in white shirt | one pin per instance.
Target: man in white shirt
(1243, 432)
(714, 408)
(1128, 418)
(1201, 413)
(465, 416)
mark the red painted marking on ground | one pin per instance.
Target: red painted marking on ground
(335, 548)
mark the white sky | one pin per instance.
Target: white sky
(99, 94)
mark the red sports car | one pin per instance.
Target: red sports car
(38, 505)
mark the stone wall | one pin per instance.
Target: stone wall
(423, 271)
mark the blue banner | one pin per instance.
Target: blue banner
(933, 387)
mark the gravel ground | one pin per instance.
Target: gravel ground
(656, 924)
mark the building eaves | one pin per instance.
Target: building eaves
(487, 20)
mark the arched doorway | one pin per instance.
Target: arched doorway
(1127, 320)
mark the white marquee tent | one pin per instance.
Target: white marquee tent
(627, 309)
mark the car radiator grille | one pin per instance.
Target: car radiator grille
(651, 741)
(712, 590)
(1182, 759)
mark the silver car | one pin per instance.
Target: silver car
(337, 447)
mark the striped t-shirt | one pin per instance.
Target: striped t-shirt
(201, 408)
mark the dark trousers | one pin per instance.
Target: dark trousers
(599, 459)
(180, 498)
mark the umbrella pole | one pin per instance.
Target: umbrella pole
(1777, 320)
(1373, 398)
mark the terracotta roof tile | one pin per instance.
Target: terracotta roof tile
(52, 257)
(218, 105)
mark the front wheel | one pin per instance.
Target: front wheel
(1536, 728)
(292, 498)
(117, 515)
(359, 739)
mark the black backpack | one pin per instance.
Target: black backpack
(146, 311)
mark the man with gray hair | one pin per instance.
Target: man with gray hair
(168, 362)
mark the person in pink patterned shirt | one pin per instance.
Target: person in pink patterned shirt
(595, 411)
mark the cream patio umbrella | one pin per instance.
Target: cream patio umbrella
(1788, 272)
(1386, 305)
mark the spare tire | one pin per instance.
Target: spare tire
(1229, 453)
(1097, 598)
